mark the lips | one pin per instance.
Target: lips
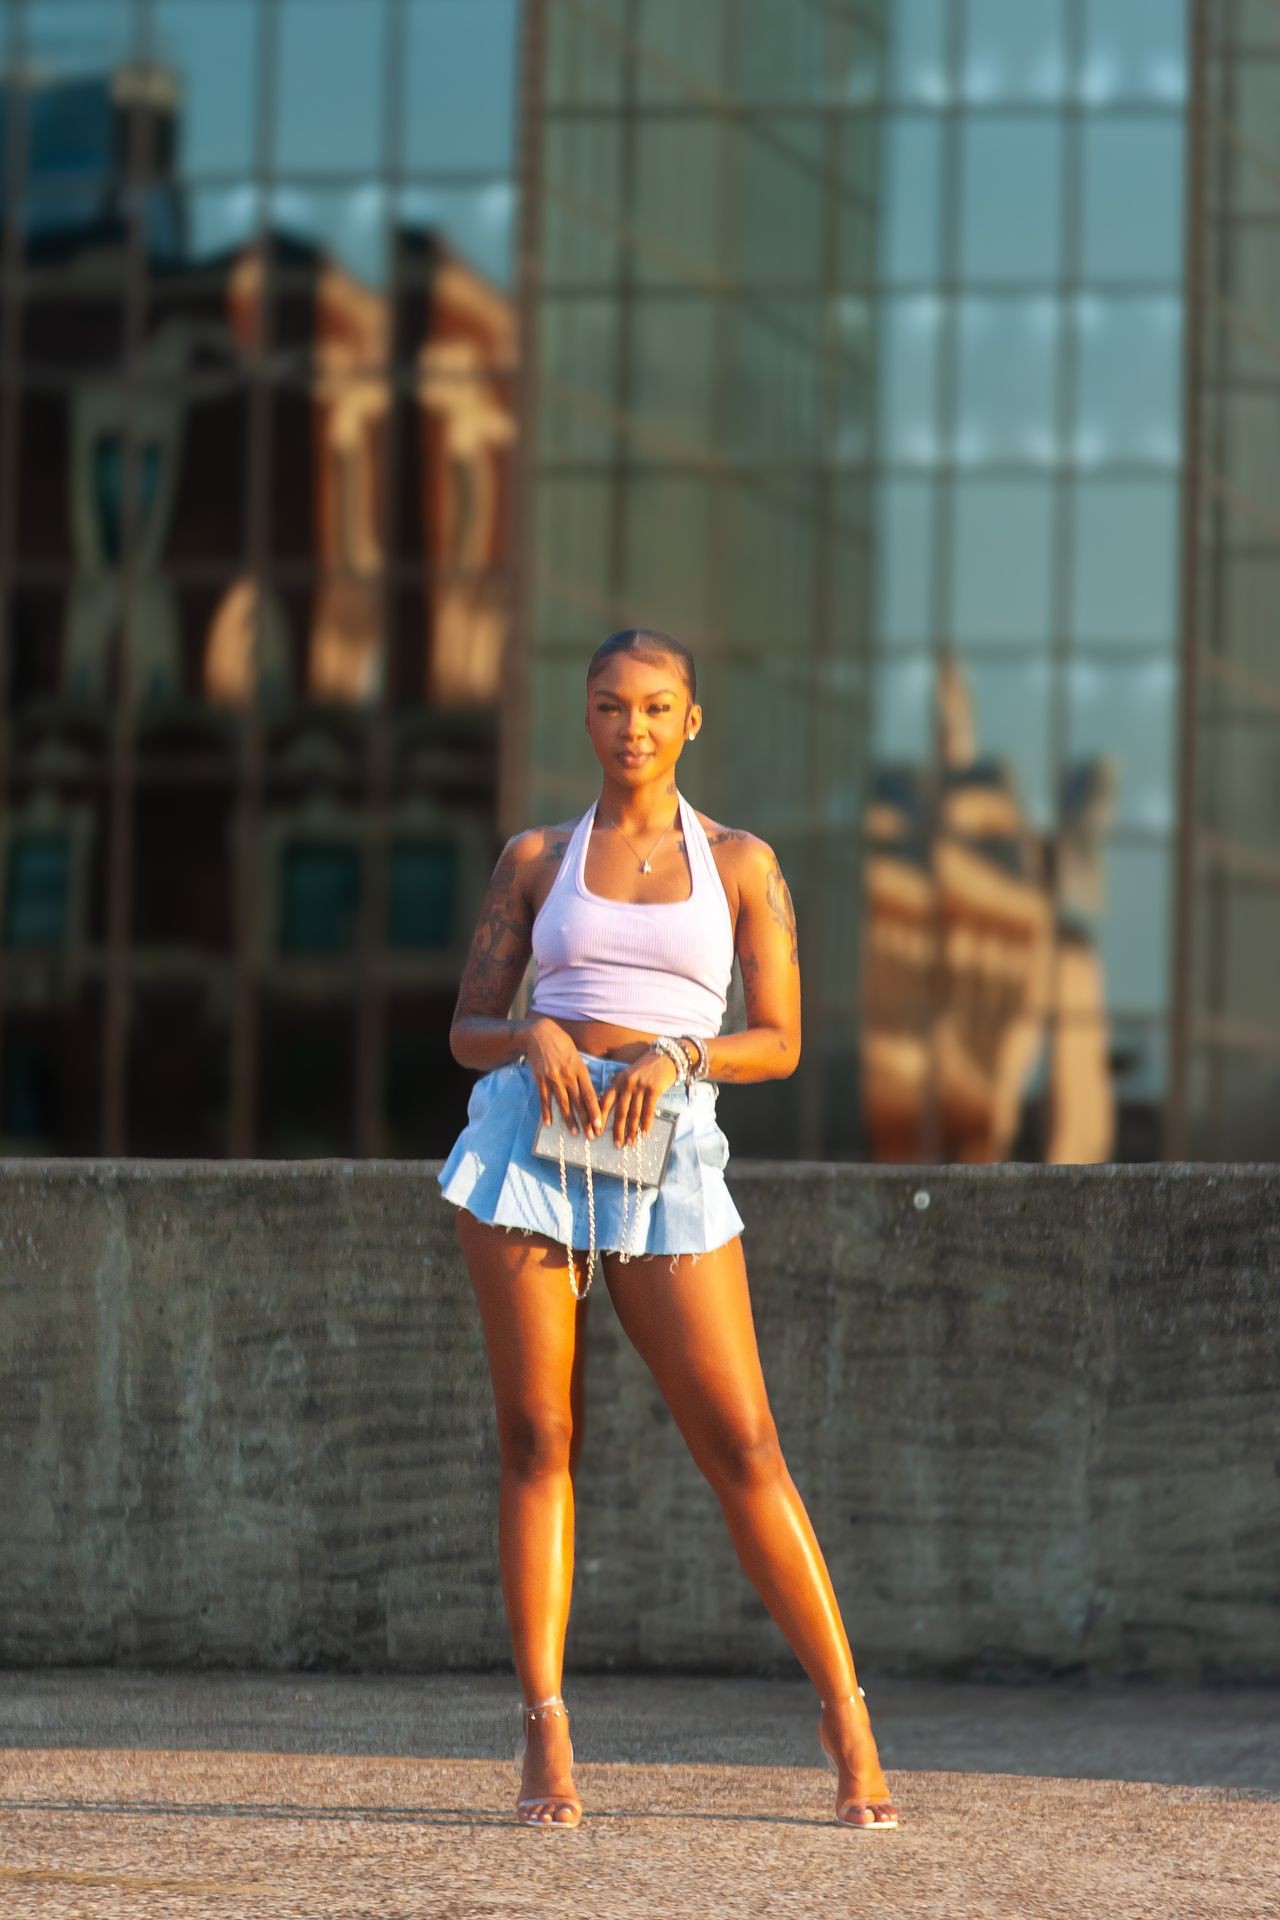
(634, 759)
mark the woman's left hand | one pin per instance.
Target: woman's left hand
(632, 1095)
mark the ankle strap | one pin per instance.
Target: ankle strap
(860, 1695)
(540, 1708)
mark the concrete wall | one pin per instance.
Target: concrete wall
(245, 1418)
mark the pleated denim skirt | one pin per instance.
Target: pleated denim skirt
(493, 1173)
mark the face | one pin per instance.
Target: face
(639, 717)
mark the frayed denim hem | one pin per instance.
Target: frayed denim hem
(673, 1260)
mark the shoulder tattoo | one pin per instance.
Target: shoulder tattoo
(499, 940)
(778, 895)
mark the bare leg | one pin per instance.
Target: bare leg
(535, 1336)
(693, 1327)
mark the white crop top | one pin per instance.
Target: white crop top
(657, 966)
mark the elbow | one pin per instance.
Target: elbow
(788, 1055)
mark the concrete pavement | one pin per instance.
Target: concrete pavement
(262, 1795)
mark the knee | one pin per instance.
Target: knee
(744, 1457)
(534, 1442)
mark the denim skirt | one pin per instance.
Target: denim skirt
(493, 1173)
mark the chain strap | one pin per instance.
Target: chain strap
(630, 1213)
(630, 1200)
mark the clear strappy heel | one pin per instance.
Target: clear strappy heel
(884, 1814)
(553, 1802)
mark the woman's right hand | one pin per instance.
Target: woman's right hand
(561, 1075)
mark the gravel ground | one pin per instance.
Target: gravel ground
(256, 1796)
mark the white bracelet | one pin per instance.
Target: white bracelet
(700, 1068)
(676, 1055)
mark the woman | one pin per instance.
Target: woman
(633, 915)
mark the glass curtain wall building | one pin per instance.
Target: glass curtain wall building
(257, 410)
(1225, 1092)
(364, 362)
(706, 196)
(1024, 808)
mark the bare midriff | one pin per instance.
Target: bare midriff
(609, 1042)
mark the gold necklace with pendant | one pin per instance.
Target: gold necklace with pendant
(646, 865)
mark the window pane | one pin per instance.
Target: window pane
(1012, 210)
(1133, 201)
(321, 897)
(677, 204)
(1003, 559)
(1014, 50)
(1126, 712)
(781, 214)
(86, 37)
(31, 1104)
(1125, 561)
(902, 711)
(460, 80)
(1254, 111)
(1140, 1068)
(348, 222)
(1008, 359)
(306, 1086)
(329, 104)
(1011, 725)
(35, 905)
(1129, 394)
(1237, 1105)
(424, 885)
(681, 49)
(907, 423)
(918, 50)
(479, 222)
(1257, 23)
(1135, 49)
(1246, 624)
(1241, 762)
(669, 538)
(1251, 909)
(220, 219)
(213, 45)
(578, 351)
(1135, 928)
(785, 53)
(676, 347)
(903, 553)
(910, 232)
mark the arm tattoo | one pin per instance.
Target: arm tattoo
(778, 894)
(499, 947)
(722, 834)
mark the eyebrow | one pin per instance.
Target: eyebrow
(605, 693)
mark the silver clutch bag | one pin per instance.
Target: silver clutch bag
(643, 1164)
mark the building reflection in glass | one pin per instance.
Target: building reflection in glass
(979, 957)
(254, 581)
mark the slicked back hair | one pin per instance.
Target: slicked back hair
(646, 642)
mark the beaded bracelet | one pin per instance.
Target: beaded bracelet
(676, 1055)
(700, 1066)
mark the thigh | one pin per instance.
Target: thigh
(690, 1320)
(534, 1329)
